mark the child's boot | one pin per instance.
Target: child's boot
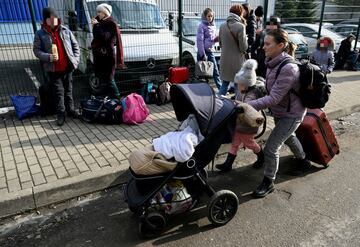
(227, 165)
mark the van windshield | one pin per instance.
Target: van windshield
(132, 15)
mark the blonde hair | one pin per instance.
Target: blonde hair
(281, 36)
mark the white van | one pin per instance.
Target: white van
(149, 47)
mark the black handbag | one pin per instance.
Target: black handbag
(101, 110)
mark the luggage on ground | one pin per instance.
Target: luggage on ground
(135, 109)
(164, 93)
(25, 105)
(101, 110)
(150, 93)
(47, 99)
(317, 137)
(178, 75)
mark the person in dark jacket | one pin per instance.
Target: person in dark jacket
(286, 108)
(59, 53)
(257, 51)
(259, 13)
(106, 36)
(249, 15)
(345, 54)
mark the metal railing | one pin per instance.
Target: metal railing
(164, 33)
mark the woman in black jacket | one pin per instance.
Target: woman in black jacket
(106, 37)
(249, 15)
(344, 53)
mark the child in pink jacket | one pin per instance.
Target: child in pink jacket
(248, 89)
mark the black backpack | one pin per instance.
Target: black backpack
(314, 89)
(101, 110)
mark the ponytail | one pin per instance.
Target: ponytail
(290, 48)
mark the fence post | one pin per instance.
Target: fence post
(321, 18)
(357, 35)
(266, 6)
(180, 33)
(32, 14)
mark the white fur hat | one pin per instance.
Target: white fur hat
(105, 8)
(247, 75)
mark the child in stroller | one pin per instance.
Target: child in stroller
(213, 116)
(249, 88)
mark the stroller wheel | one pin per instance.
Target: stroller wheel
(151, 224)
(222, 207)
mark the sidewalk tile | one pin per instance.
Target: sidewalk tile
(51, 178)
(22, 167)
(38, 179)
(35, 169)
(89, 159)
(27, 185)
(94, 167)
(82, 167)
(61, 172)
(13, 185)
(12, 174)
(48, 170)
(25, 176)
(32, 161)
(3, 183)
(73, 172)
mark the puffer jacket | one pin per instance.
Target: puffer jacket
(206, 35)
(42, 47)
(281, 102)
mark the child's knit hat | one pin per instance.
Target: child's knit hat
(247, 75)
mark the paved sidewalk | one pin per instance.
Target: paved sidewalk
(41, 164)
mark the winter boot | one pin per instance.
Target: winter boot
(265, 188)
(227, 165)
(260, 160)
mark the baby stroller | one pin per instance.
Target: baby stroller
(213, 115)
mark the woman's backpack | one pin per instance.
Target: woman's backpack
(315, 89)
(135, 109)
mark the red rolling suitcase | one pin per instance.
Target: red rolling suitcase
(317, 137)
(178, 75)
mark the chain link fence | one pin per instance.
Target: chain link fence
(151, 38)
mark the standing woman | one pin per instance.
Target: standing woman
(205, 40)
(286, 107)
(232, 39)
(106, 36)
(250, 18)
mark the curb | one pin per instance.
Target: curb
(47, 194)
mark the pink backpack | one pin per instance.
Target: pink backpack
(135, 110)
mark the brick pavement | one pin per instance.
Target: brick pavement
(35, 152)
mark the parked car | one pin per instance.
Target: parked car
(310, 32)
(149, 47)
(353, 21)
(345, 29)
(302, 50)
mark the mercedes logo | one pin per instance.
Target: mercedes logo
(150, 63)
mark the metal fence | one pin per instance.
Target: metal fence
(150, 32)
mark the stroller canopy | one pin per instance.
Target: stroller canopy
(199, 99)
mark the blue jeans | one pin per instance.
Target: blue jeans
(224, 88)
(216, 74)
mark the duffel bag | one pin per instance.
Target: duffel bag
(101, 110)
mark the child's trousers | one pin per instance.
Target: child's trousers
(244, 140)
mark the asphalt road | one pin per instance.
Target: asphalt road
(320, 208)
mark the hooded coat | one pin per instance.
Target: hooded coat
(232, 51)
(106, 36)
(206, 34)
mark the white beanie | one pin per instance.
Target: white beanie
(105, 8)
(247, 75)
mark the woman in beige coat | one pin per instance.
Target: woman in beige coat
(233, 43)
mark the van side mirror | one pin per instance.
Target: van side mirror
(171, 21)
(73, 23)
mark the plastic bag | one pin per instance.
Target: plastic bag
(25, 105)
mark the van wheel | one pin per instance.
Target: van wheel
(188, 61)
(94, 84)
